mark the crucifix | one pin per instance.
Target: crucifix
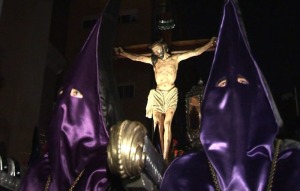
(162, 101)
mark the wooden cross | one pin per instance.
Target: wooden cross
(176, 46)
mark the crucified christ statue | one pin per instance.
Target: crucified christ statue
(162, 101)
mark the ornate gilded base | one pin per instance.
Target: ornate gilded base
(132, 156)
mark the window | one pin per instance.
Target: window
(127, 19)
(88, 23)
(126, 91)
(128, 16)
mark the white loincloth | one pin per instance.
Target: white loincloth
(161, 101)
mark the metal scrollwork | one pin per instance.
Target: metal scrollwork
(125, 148)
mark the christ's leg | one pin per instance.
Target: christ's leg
(158, 120)
(167, 133)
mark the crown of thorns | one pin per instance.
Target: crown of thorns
(160, 43)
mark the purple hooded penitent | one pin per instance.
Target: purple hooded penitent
(85, 108)
(239, 125)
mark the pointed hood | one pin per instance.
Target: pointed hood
(87, 104)
(239, 117)
(86, 107)
(238, 126)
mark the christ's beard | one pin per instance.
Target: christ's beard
(161, 55)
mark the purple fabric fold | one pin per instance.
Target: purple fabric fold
(78, 133)
(77, 136)
(239, 123)
(37, 174)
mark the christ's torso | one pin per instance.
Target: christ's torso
(165, 73)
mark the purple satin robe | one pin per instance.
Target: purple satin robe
(78, 133)
(239, 124)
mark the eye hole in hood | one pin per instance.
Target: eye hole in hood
(76, 93)
(240, 79)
